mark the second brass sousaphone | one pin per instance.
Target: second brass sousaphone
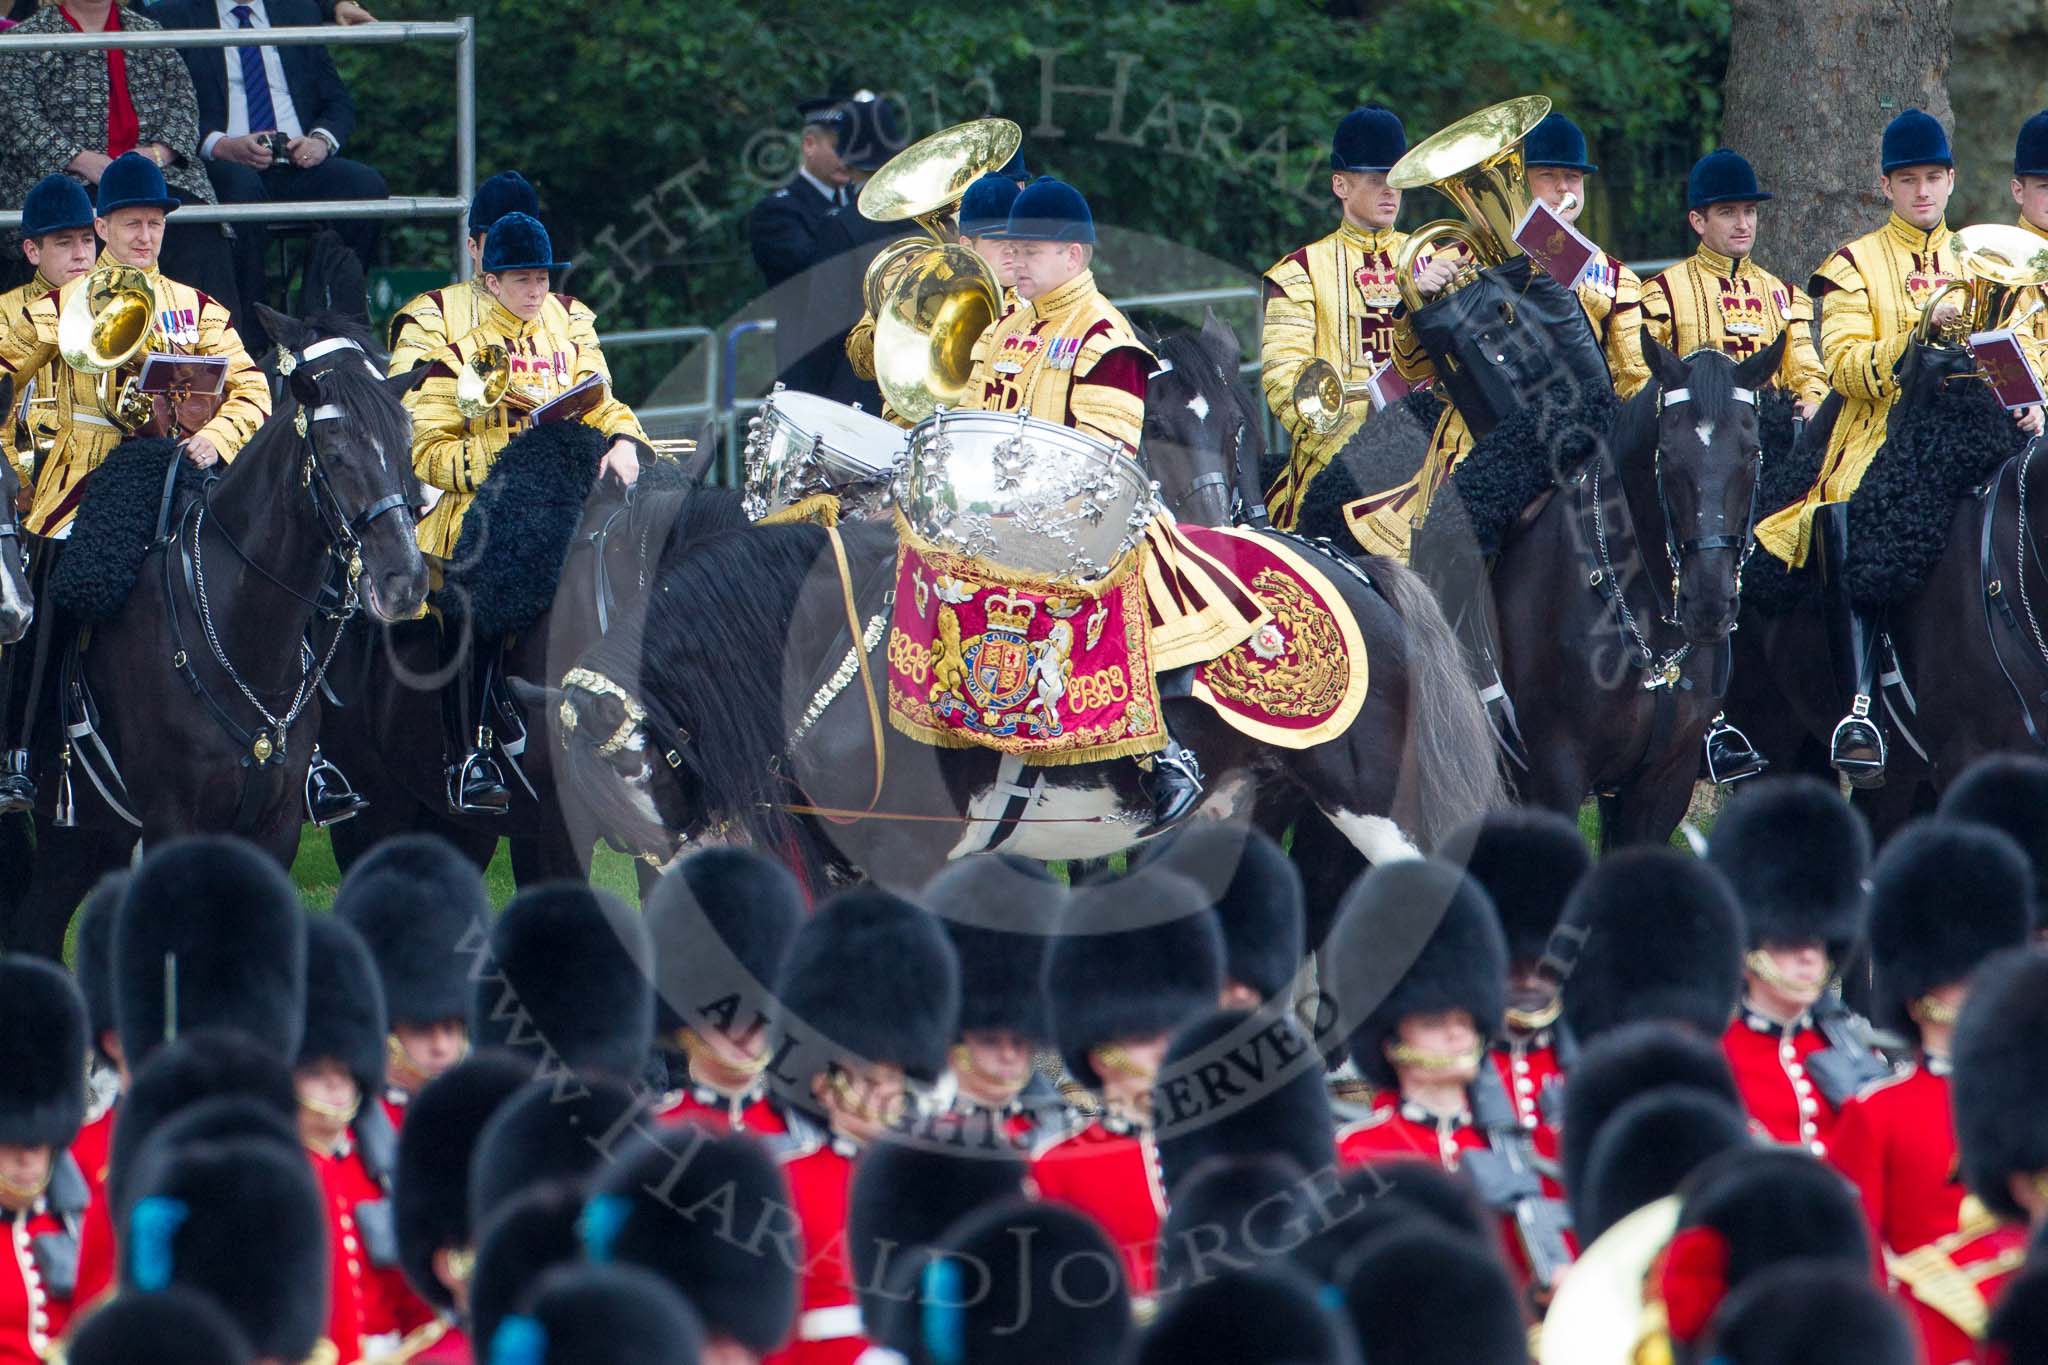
(1476, 163)
(2002, 270)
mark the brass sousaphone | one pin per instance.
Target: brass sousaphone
(104, 326)
(932, 299)
(2003, 270)
(1476, 163)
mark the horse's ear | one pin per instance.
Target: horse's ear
(6, 393)
(700, 463)
(1665, 366)
(533, 696)
(286, 330)
(1756, 371)
(304, 387)
(1219, 339)
(405, 381)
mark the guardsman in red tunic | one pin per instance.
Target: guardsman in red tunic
(2000, 1074)
(1117, 997)
(93, 1147)
(1001, 914)
(1948, 895)
(42, 1195)
(722, 923)
(423, 910)
(868, 1004)
(1797, 856)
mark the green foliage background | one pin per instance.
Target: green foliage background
(1220, 145)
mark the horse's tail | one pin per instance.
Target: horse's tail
(1450, 763)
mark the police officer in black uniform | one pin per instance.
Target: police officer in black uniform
(783, 228)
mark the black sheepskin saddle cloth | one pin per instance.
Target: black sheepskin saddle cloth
(1900, 515)
(1384, 453)
(517, 534)
(111, 534)
(1527, 455)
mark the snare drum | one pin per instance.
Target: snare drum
(800, 445)
(1032, 496)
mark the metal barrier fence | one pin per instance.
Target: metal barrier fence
(461, 32)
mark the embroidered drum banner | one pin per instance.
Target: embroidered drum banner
(1047, 671)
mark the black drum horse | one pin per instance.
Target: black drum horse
(17, 606)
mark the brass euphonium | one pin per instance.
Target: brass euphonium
(481, 382)
(1605, 1312)
(104, 326)
(1476, 163)
(2003, 269)
(932, 300)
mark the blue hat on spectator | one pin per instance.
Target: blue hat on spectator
(1369, 139)
(1049, 210)
(1557, 141)
(54, 204)
(985, 208)
(1722, 177)
(1915, 138)
(2030, 153)
(1015, 169)
(133, 181)
(506, 192)
(518, 242)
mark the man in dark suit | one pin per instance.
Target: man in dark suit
(249, 95)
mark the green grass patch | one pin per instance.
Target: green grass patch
(317, 878)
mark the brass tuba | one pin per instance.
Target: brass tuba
(1603, 1313)
(481, 382)
(1320, 395)
(1476, 163)
(103, 326)
(932, 299)
(2003, 270)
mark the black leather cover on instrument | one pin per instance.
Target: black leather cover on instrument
(1505, 339)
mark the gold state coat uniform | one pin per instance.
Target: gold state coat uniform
(188, 322)
(47, 380)
(431, 320)
(1335, 299)
(1738, 308)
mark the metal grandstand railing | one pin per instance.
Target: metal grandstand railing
(461, 32)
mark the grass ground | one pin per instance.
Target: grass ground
(317, 878)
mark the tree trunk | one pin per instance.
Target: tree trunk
(1810, 87)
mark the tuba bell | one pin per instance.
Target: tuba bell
(481, 383)
(103, 327)
(1476, 163)
(1320, 396)
(932, 299)
(2003, 270)
(1604, 1312)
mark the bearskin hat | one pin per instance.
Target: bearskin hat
(43, 1050)
(873, 977)
(601, 1315)
(1256, 892)
(543, 1134)
(1646, 1149)
(1001, 914)
(532, 1233)
(344, 1005)
(1947, 896)
(1813, 1313)
(721, 922)
(423, 910)
(2019, 1322)
(430, 1194)
(1235, 1083)
(1413, 937)
(1018, 1283)
(93, 962)
(572, 976)
(2001, 1072)
(1528, 860)
(1797, 855)
(1104, 983)
(1423, 1296)
(1371, 1199)
(1634, 1060)
(199, 1066)
(666, 1206)
(168, 1327)
(1247, 1317)
(1749, 1212)
(1657, 935)
(904, 1196)
(2008, 792)
(243, 1221)
(218, 923)
(1232, 1211)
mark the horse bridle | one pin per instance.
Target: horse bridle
(344, 533)
(1240, 508)
(1676, 550)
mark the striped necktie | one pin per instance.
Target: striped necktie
(255, 80)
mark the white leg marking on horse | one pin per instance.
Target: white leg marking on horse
(1375, 836)
(1057, 823)
(1199, 406)
(13, 591)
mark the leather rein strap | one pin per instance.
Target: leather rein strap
(867, 681)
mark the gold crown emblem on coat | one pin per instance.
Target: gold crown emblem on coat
(1009, 612)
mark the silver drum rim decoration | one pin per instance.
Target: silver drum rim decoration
(786, 461)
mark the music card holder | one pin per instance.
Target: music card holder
(572, 405)
(1386, 387)
(1555, 245)
(2004, 362)
(193, 376)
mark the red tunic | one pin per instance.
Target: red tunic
(1769, 1061)
(1951, 1285)
(1529, 1069)
(1896, 1141)
(751, 1112)
(29, 1317)
(1113, 1177)
(344, 1280)
(97, 1250)
(452, 1348)
(394, 1102)
(828, 1328)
